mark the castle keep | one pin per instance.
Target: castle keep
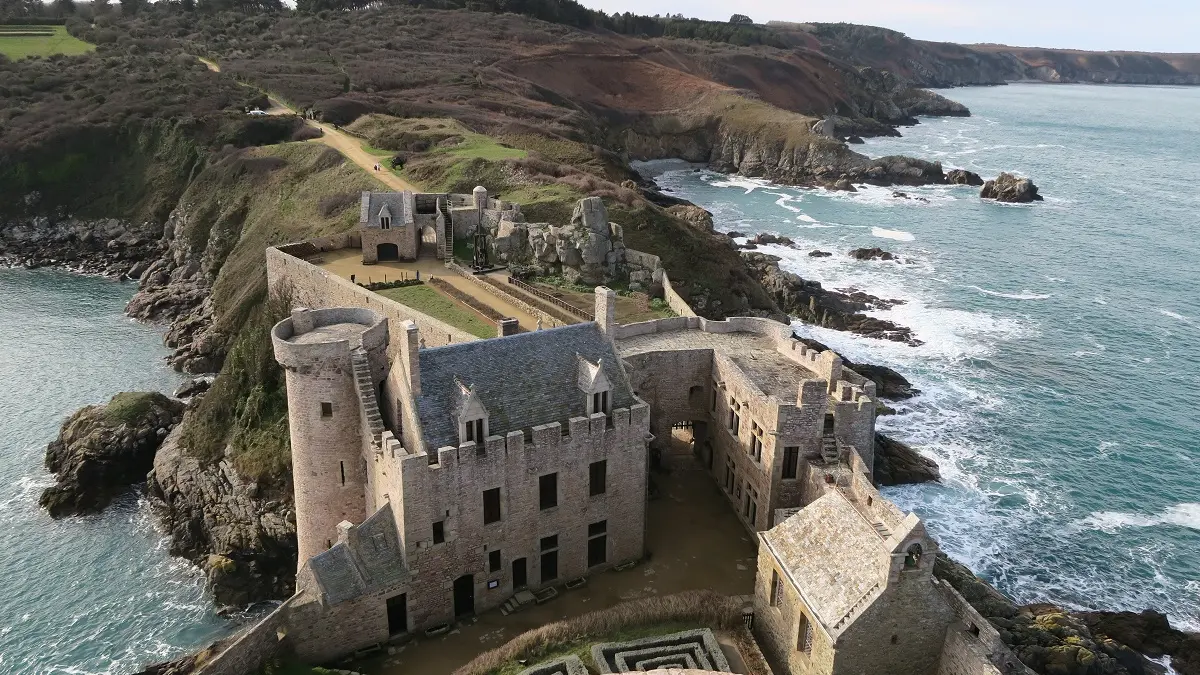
(438, 475)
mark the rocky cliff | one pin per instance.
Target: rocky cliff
(110, 246)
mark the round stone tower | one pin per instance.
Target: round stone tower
(334, 360)
(480, 196)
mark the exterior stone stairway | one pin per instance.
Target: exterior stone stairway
(446, 236)
(517, 602)
(366, 396)
(829, 449)
(882, 529)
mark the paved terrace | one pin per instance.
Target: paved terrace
(773, 373)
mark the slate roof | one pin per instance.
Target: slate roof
(373, 202)
(371, 560)
(523, 380)
(833, 554)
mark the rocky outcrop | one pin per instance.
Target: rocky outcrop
(875, 253)
(1150, 633)
(963, 177)
(589, 249)
(102, 450)
(113, 247)
(694, 216)
(922, 102)
(897, 463)
(1044, 637)
(1009, 188)
(809, 302)
(176, 289)
(819, 254)
(889, 384)
(242, 534)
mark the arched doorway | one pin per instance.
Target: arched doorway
(429, 242)
(464, 595)
(387, 253)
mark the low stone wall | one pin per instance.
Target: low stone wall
(314, 287)
(549, 320)
(674, 301)
(254, 648)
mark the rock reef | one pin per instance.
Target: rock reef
(1011, 189)
(112, 247)
(102, 450)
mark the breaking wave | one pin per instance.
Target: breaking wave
(1023, 295)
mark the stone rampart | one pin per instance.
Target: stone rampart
(674, 300)
(314, 287)
(254, 647)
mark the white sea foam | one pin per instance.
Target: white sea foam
(1023, 295)
(1186, 514)
(1176, 315)
(1100, 300)
(734, 181)
(898, 235)
(806, 218)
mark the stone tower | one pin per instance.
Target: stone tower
(333, 360)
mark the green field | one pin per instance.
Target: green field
(428, 301)
(18, 42)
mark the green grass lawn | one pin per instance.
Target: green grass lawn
(426, 300)
(18, 42)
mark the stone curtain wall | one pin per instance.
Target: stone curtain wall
(314, 287)
(674, 300)
(255, 647)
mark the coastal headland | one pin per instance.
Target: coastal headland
(138, 161)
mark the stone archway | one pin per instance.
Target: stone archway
(429, 242)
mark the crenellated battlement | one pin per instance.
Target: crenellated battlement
(617, 430)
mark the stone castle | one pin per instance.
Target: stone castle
(437, 477)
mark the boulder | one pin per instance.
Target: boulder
(768, 238)
(855, 140)
(875, 253)
(896, 463)
(194, 387)
(694, 216)
(1011, 189)
(825, 127)
(889, 384)
(963, 177)
(586, 248)
(101, 450)
(819, 254)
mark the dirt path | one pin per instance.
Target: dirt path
(349, 146)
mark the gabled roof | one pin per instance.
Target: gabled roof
(370, 560)
(591, 376)
(373, 204)
(522, 380)
(833, 556)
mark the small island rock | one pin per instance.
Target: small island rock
(963, 177)
(1011, 189)
(875, 253)
(819, 254)
(103, 449)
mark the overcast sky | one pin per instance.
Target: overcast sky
(1148, 25)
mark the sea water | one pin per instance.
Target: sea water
(1061, 356)
(94, 594)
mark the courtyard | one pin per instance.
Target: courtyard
(693, 541)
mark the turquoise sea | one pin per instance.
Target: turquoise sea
(97, 594)
(1062, 339)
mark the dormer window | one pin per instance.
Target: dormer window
(595, 386)
(385, 223)
(475, 431)
(599, 403)
(472, 416)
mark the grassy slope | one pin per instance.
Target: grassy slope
(240, 205)
(17, 43)
(427, 300)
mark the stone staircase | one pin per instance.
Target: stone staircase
(517, 602)
(372, 420)
(446, 236)
(881, 529)
(829, 449)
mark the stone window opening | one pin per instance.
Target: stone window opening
(385, 223)
(912, 558)
(599, 403)
(597, 478)
(342, 466)
(895, 639)
(756, 441)
(548, 491)
(597, 545)
(804, 636)
(494, 561)
(491, 506)
(714, 398)
(326, 409)
(776, 588)
(439, 532)
(735, 420)
(791, 462)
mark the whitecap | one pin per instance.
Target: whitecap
(1099, 300)
(1176, 315)
(898, 235)
(1186, 514)
(1023, 295)
(1054, 279)
(806, 218)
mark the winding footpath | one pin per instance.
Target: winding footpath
(349, 146)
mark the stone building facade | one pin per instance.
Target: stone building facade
(438, 481)
(405, 225)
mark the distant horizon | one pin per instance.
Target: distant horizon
(1162, 26)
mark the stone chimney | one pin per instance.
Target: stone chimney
(302, 320)
(606, 310)
(410, 348)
